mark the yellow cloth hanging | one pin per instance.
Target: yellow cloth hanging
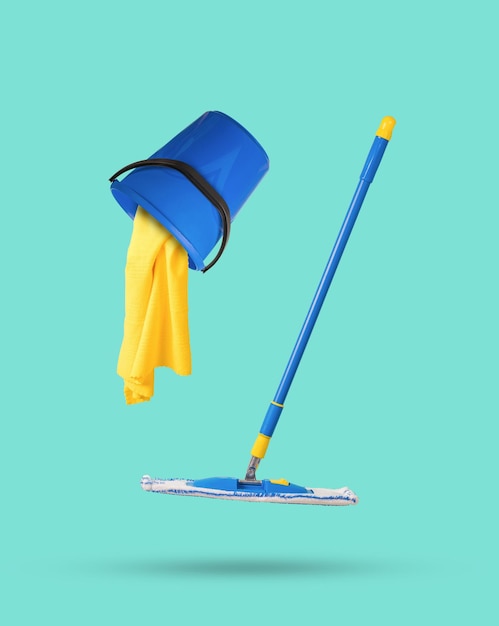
(156, 330)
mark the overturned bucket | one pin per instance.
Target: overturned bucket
(196, 184)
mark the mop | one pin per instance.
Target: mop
(250, 488)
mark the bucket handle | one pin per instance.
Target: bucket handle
(201, 184)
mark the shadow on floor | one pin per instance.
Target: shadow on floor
(205, 567)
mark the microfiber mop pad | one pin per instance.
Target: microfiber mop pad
(156, 331)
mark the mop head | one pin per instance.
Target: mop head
(278, 491)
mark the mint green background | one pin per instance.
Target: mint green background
(397, 393)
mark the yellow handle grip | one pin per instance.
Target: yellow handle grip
(260, 446)
(386, 128)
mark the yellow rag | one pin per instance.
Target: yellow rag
(156, 330)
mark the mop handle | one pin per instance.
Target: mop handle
(383, 136)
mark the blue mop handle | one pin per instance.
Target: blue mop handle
(373, 160)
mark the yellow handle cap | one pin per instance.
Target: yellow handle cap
(386, 128)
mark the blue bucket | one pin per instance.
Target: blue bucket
(196, 184)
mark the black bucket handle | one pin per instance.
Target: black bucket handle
(200, 183)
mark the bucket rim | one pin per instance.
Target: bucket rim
(195, 260)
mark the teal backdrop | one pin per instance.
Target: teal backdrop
(397, 394)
